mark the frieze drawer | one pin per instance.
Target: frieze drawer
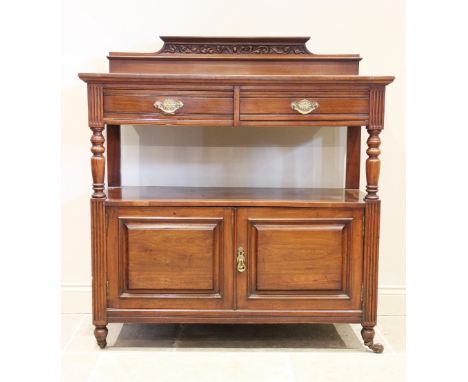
(171, 107)
(302, 106)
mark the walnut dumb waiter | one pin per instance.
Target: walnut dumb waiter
(235, 255)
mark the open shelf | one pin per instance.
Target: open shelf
(234, 196)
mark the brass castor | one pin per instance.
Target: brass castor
(101, 334)
(368, 337)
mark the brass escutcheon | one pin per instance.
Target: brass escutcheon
(304, 106)
(241, 259)
(168, 105)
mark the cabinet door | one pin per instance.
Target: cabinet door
(299, 258)
(169, 258)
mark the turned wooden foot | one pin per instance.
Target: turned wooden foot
(367, 334)
(101, 334)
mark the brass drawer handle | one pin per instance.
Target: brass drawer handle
(168, 105)
(304, 106)
(241, 259)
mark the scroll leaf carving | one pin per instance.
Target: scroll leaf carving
(233, 49)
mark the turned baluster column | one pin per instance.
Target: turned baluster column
(98, 162)
(96, 123)
(372, 219)
(99, 268)
(373, 164)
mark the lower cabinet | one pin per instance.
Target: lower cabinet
(206, 258)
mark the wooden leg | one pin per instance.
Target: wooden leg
(99, 270)
(372, 221)
(368, 334)
(98, 222)
(370, 280)
(101, 334)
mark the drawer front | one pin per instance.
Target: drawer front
(167, 106)
(169, 258)
(266, 105)
(299, 259)
(303, 106)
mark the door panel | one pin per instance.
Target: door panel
(300, 258)
(174, 258)
(168, 255)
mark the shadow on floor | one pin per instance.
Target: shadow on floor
(299, 336)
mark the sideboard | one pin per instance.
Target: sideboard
(234, 255)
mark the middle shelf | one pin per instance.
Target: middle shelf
(234, 196)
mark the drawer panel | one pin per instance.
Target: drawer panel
(167, 106)
(280, 107)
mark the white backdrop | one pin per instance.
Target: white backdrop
(275, 157)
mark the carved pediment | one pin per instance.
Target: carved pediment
(232, 45)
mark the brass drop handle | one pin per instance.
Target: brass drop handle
(304, 106)
(168, 105)
(241, 267)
